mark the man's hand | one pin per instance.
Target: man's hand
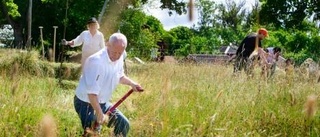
(93, 98)
(269, 65)
(64, 42)
(136, 87)
(101, 118)
(127, 81)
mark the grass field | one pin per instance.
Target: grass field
(180, 100)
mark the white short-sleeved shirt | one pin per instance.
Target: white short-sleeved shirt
(91, 44)
(271, 56)
(100, 76)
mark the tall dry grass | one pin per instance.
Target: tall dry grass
(207, 100)
(179, 100)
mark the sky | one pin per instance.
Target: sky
(178, 20)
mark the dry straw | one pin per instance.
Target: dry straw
(48, 127)
(310, 107)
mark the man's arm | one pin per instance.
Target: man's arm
(263, 55)
(93, 98)
(127, 81)
(77, 41)
(240, 48)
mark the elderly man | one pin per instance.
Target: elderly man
(102, 72)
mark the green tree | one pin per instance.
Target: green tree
(207, 9)
(221, 24)
(289, 13)
(11, 12)
(231, 15)
(48, 13)
(199, 45)
(143, 32)
(182, 39)
(177, 6)
(296, 44)
(253, 17)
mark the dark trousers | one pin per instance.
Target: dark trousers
(243, 63)
(87, 116)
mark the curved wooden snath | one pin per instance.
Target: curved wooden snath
(108, 113)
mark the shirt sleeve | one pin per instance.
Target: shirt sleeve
(78, 40)
(121, 70)
(92, 74)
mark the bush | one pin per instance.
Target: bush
(15, 62)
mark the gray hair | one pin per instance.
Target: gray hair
(118, 37)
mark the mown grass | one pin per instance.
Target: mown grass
(179, 100)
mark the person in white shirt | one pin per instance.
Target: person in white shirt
(92, 40)
(269, 57)
(102, 72)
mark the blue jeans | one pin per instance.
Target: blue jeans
(87, 117)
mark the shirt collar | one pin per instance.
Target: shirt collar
(108, 58)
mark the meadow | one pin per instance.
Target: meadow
(180, 100)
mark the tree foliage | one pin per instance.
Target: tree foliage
(231, 14)
(12, 9)
(289, 13)
(291, 24)
(181, 39)
(142, 31)
(296, 44)
(207, 10)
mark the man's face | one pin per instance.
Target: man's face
(115, 51)
(288, 62)
(261, 36)
(277, 54)
(93, 26)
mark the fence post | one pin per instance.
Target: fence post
(54, 43)
(41, 37)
